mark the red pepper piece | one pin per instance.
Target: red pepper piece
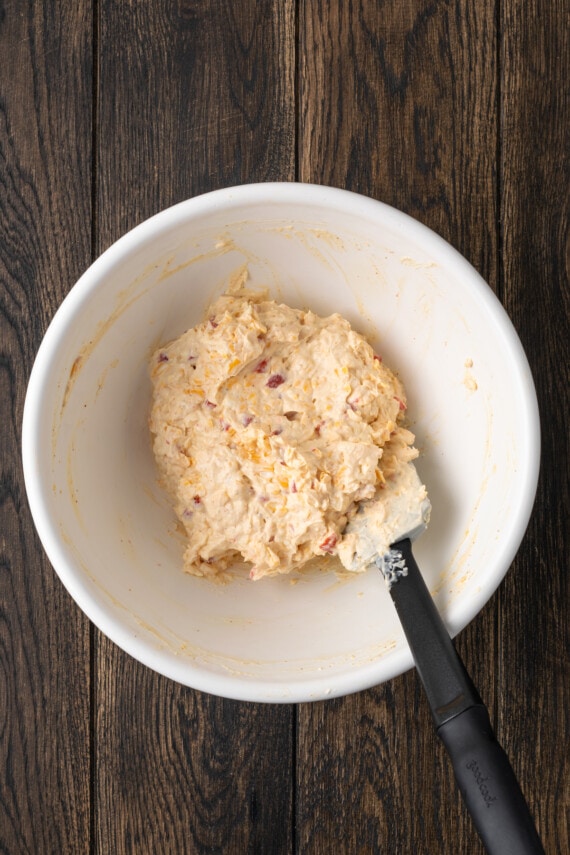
(275, 380)
(329, 543)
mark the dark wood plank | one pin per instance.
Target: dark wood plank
(192, 96)
(188, 772)
(398, 101)
(535, 168)
(45, 202)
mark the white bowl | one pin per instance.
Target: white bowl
(109, 531)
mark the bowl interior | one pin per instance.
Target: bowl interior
(108, 528)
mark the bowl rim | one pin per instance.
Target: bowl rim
(71, 575)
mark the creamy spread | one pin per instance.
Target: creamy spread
(400, 508)
(271, 425)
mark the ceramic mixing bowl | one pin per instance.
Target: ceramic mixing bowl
(108, 529)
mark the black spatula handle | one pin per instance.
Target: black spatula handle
(482, 770)
(488, 785)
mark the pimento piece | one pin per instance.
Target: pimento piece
(210, 404)
(162, 357)
(261, 367)
(275, 380)
(400, 402)
(329, 543)
(378, 358)
(213, 321)
(197, 500)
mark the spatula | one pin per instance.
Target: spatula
(482, 770)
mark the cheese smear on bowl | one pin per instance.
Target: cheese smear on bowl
(270, 427)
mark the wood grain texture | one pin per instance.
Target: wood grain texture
(183, 772)
(399, 101)
(45, 161)
(535, 170)
(191, 97)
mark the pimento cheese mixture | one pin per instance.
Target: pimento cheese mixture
(270, 425)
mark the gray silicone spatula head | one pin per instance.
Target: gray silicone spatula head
(400, 509)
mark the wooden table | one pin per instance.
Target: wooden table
(457, 113)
